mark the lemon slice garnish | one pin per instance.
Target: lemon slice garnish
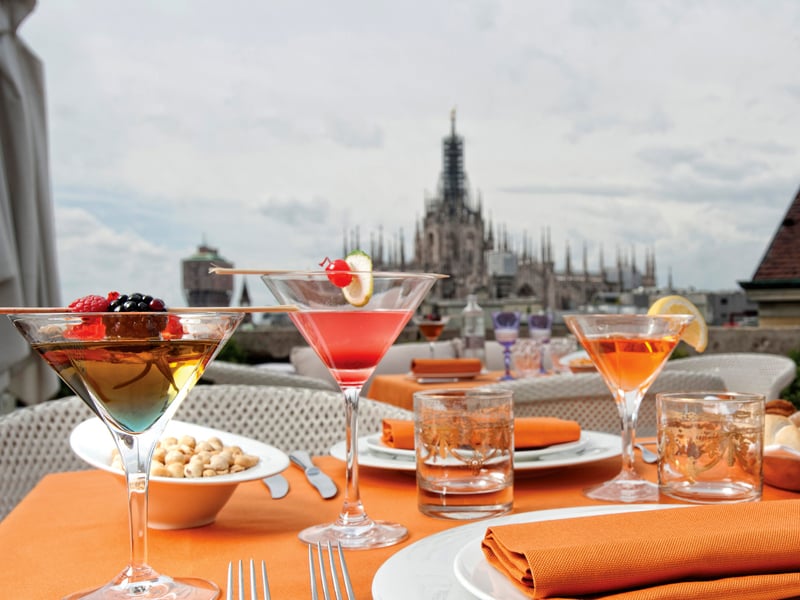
(359, 291)
(696, 334)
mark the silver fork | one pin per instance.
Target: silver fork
(323, 575)
(242, 584)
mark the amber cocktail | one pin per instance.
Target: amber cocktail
(629, 351)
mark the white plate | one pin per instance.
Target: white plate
(597, 446)
(426, 570)
(568, 358)
(375, 444)
(92, 442)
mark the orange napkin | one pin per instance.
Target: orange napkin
(718, 551)
(529, 432)
(446, 366)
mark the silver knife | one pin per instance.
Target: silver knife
(325, 485)
(278, 486)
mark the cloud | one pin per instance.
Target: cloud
(296, 213)
(273, 131)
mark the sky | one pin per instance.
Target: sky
(269, 129)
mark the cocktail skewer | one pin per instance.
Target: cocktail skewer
(231, 271)
(281, 308)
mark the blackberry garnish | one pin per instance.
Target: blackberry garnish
(144, 326)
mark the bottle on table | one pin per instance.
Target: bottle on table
(473, 330)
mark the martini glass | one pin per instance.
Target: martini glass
(351, 340)
(629, 351)
(133, 370)
(431, 327)
(506, 332)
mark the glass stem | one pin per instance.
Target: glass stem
(507, 360)
(628, 405)
(353, 513)
(136, 452)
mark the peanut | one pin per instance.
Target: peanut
(189, 458)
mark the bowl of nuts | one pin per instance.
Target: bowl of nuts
(194, 470)
(782, 445)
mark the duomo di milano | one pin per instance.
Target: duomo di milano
(453, 238)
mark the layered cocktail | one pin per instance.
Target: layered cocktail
(133, 369)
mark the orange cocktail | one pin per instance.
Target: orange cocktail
(629, 351)
(630, 362)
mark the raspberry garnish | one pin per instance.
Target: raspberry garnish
(90, 303)
(173, 330)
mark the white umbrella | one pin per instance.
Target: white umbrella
(28, 270)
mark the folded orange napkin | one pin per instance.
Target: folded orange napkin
(529, 432)
(719, 551)
(447, 366)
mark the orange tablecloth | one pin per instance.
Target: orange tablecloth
(398, 390)
(71, 532)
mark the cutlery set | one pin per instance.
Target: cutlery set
(323, 483)
(279, 486)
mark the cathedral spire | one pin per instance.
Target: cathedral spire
(568, 267)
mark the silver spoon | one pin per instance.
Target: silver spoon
(648, 455)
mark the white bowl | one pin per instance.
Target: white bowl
(782, 467)
(181, 503)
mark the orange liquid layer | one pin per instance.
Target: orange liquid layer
(627, 363)
(431, 331)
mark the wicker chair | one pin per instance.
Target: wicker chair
(585, 398)
(767, 374)
(227, 372)
(287, 418)
(34, 441)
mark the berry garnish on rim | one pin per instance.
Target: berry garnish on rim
(154, 325)
(338, 271)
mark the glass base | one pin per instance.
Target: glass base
(376, 534)
(160, 588)
(624, 488)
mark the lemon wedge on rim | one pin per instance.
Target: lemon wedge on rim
(359, 291)
(696, 334)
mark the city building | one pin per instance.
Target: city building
(454, 238)
(202, 288)
(775, 286)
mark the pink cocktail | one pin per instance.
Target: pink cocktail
(351, 343)
(351, 338)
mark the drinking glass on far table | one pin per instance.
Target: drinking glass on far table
(506, 332)
(526, 356)
(540, 328)
(431, 326)
(559, 348)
